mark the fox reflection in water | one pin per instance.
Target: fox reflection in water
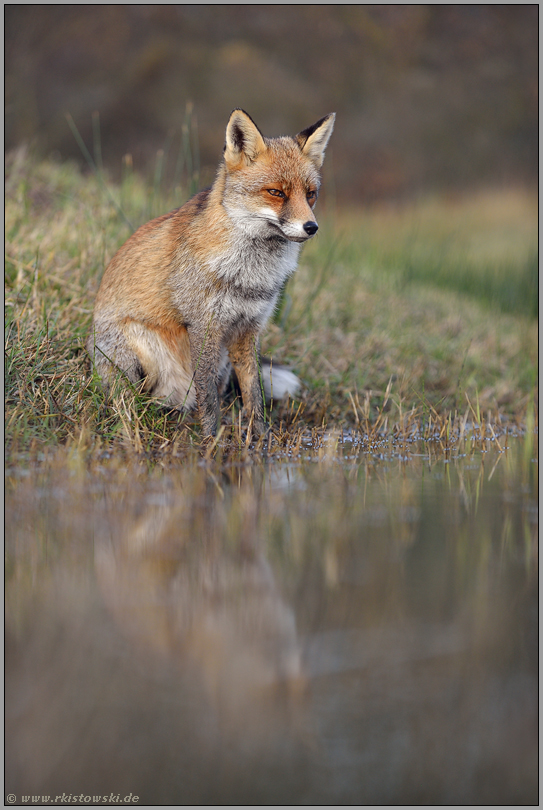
(195, 640)
(175, 654)
(191, 601)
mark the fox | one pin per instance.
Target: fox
(184, 301)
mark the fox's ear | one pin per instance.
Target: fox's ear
(244, 141)
(314, 140)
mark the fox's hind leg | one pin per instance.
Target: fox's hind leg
(157, 357)
(112, 357)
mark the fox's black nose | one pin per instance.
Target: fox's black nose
(310, 228)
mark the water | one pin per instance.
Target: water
(343, 629)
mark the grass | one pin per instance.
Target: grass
(400, 320)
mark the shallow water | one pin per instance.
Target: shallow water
(350, 628)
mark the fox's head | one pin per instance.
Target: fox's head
(272, 184)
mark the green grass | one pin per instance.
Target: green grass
(411, 313)
(484, 247)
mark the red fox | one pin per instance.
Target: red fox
(186, 298)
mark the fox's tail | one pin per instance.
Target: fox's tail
(278, 381)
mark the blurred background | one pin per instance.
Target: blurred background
(428, 97)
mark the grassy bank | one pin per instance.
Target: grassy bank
(396, 316)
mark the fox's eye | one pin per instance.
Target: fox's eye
(276, 192)
(311, 196)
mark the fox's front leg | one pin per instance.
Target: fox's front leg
(243, 356)
(205, 355)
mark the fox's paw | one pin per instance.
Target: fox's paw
(257, 430)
